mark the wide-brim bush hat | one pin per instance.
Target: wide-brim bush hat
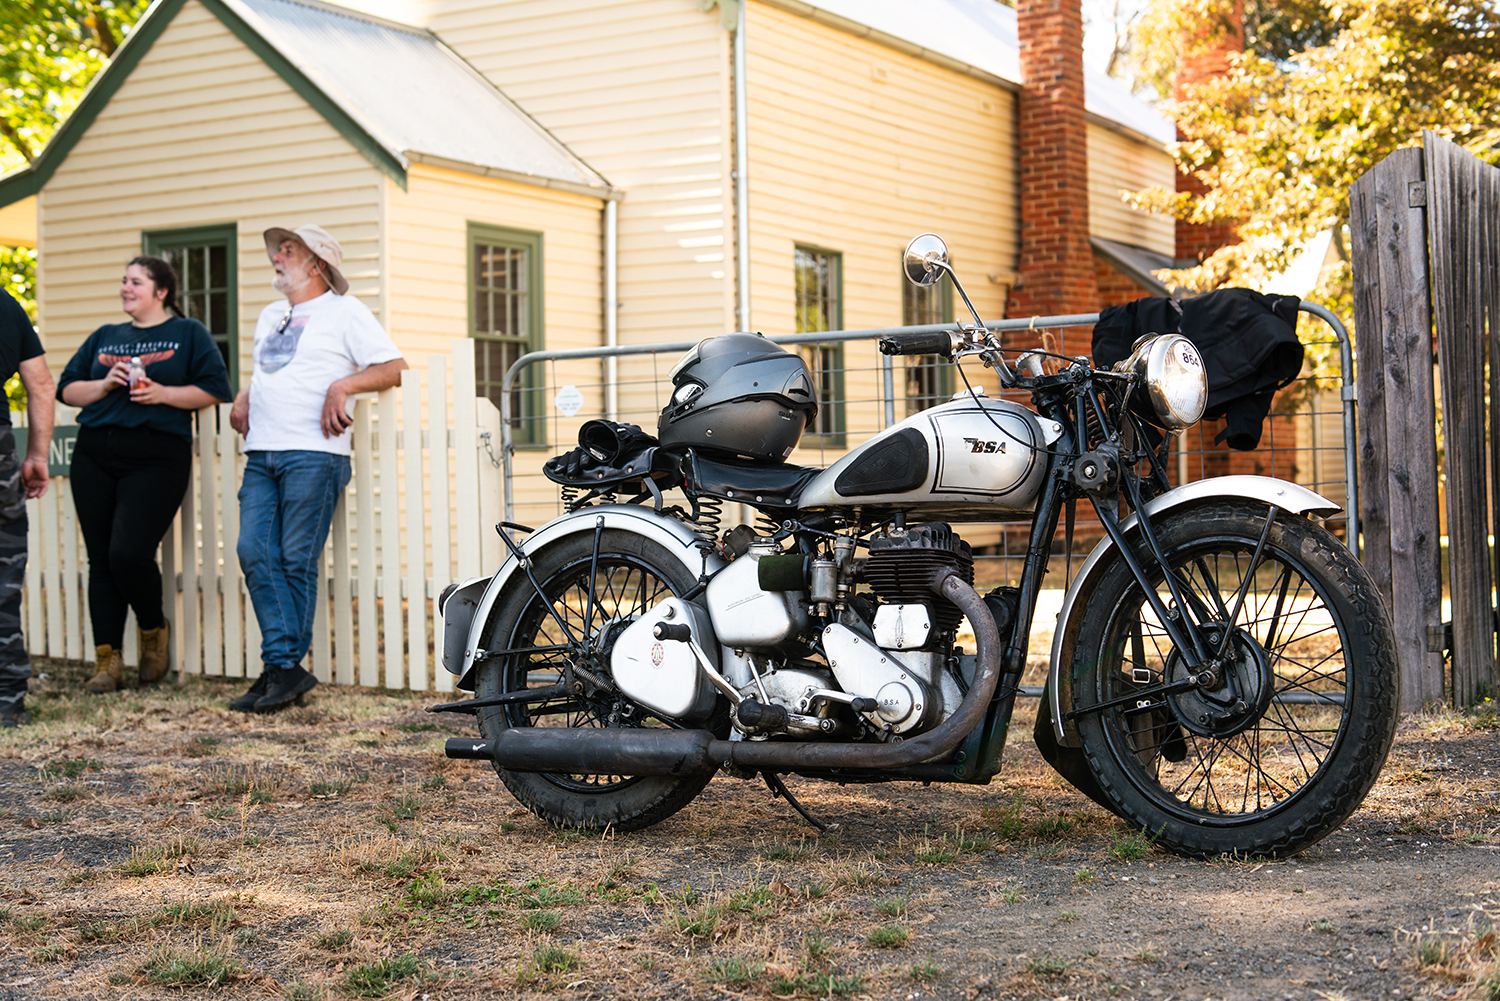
(319, 243)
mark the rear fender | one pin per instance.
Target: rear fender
(677, 538)
(1276, 493)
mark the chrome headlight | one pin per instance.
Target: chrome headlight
(1170, 369)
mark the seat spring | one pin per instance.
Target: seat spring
(710, 514)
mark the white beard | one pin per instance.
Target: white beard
(289, 284)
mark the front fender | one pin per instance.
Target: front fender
(1277, 493)
(676, 537)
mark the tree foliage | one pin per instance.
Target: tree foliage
(1167, 29)
(1322, 93)
(18, 277)
(52, 50)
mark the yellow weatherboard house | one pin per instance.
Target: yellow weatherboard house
(573, 174)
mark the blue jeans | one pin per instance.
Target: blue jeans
(286, 507)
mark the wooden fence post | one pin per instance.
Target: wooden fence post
(1460, 206)
(1397, 449)
(392, 645)
(442, 489)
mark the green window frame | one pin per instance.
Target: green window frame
(819, 285)
(505, 321)
(206, 259)
(929, 378)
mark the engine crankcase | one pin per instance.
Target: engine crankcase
(906, 702)
(789, 687)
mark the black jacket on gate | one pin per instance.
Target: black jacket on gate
(1248, 341)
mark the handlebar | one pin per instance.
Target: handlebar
(936, 343)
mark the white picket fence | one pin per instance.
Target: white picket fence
(419, 513)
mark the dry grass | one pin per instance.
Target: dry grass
(163, 845)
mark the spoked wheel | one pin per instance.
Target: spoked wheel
(587, 600)
(1278, 743)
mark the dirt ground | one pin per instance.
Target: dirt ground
(154, 844)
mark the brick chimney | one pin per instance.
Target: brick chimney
(1056, 261)
(1206, 55)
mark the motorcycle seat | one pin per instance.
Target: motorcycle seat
(758, 483)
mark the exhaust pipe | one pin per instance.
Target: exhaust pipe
(581, 751)
(680, 752)
(761, 755)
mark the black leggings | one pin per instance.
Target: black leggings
(127, 486)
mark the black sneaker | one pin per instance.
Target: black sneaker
(246, 703)
(14, 714)
(287, 686)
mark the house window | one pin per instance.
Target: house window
(207, 282)
(820, 306)
(929, 378)
(505, 320)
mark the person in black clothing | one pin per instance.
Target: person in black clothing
(138, 384)
(20, 351)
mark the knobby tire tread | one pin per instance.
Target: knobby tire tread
(1361, 745)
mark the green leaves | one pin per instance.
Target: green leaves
(53, 49)
(1315, 102)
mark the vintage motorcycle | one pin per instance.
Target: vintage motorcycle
(1223, 672)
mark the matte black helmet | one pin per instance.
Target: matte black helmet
(739, 394)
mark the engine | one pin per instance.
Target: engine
(805, 652)
(902, 563)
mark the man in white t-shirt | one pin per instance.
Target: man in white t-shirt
(313, 350)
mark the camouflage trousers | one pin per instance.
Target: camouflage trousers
(15, 665)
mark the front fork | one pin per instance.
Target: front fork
(1185, 619)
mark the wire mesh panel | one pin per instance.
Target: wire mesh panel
(1302, 440)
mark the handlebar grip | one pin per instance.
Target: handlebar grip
(938, 343)
(673, 631)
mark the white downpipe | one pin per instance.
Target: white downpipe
(741, 174)
(612, 306)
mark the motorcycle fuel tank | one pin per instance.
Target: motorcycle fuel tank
(971, 455)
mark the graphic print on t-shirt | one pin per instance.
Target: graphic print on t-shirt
(278, 350)
(149, 352)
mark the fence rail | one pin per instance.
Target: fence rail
(434, 471)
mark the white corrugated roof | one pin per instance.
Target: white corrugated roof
(982, 34)
(413, 94)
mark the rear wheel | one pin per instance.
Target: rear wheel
(584, 605)
(1288, 736)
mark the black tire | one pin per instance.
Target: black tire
(1288, 743)
(632, 575)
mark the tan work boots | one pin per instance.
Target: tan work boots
(154, 653)
(109, 671)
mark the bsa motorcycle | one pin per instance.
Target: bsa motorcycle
(1222, 675)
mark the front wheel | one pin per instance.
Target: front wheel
(589, 594)
(1291, 729)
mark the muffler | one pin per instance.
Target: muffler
(591, 751)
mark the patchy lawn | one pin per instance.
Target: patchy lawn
(154, 844)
